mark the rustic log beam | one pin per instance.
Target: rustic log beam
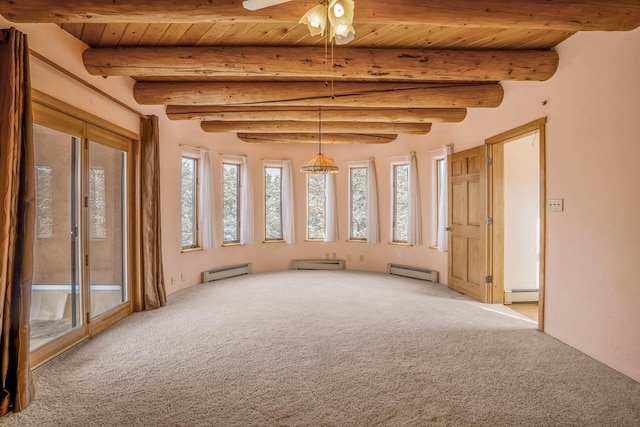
(329, 114)
(310, 127)
(308, 62)
(312, 138)
(342, 94)
(569, 15)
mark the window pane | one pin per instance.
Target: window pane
(273, 203)
(231, 202)
(97, 220)
(188, 200)
(400, 203)
(315, 206)
(107, 205)
(44, 203)
(441, 165)
(56, 295)
(359, 203)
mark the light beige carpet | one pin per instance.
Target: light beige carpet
(323, 349)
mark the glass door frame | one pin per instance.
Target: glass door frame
(54, 114)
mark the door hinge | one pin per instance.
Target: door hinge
(488, 279)
(489, 220)
(86, 260)
(88, 318)
(86, 201)
(489, 161)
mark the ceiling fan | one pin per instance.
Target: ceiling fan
(339, 13)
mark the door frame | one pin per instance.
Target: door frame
(495, 206)
(60, 115)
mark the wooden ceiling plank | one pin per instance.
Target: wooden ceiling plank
(290, 126)
(153, 34)
(132, 35)
(560, 14)
(173, 34)
(92, 34)
(192, 36)
(305, 62)
(343, 94)
(112, 34)
(388, 115)
(312, 138)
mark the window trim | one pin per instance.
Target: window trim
(266, 239)
(435, 199)
(238, 165)
(350, 204)
(316, 239)
(187, 154)
(393, 202)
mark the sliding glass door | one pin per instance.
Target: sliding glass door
(82, 257)
(107, 227)
(56, 297)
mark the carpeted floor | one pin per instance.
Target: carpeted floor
(327, 349)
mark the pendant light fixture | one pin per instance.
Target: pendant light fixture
(320, 164)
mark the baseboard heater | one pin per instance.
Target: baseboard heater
(318, 264)
(225, 272)
(413, 272)
(521, 295)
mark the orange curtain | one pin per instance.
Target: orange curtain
(17, 213)
(155, 295)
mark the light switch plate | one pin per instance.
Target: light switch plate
(555, 205)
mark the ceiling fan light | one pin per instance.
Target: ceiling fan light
(344, 40)
(338, 10)
(316, 20)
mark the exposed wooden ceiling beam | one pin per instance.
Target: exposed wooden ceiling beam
(310, 127)
(329, 114)
(309, 62)
(312, 138)
(343, 94)
(568, 15)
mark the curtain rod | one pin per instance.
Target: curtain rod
(84, 83)
(360, 161)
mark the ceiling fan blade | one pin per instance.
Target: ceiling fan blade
(261, 4)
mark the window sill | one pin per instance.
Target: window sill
(314, 240)
(187, 250)
(231, 244)
(357, 240)
(399, 244)
(274, 241)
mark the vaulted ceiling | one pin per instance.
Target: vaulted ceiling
(260, 74)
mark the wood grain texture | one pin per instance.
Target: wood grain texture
(343, 94)
(329, 114)
(310, 127)
(309, 62)
(312, 138)
(559, 14)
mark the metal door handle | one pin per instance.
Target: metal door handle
(448, 228)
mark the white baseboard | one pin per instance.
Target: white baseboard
(521, 295)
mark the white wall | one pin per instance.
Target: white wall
(521, 212)
(592, 248)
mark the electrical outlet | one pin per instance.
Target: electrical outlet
(334, 255)
(173, 281)
(399, 254)
(348, 257)
(361, 258)
(555, 205)
(182, 277)
(328, 256)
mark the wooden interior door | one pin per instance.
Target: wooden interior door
(467, 223)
